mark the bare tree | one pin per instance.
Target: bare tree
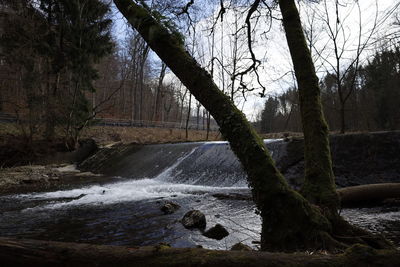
(345, 56)
(158, 93)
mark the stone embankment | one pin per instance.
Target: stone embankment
(358, 159)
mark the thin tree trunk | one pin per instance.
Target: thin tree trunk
(156, 114)
(342, 119)
(143, 61)
(198, 116)
(208, 124)
(188, 116)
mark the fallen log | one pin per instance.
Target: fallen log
(20, 252)
(370, 194)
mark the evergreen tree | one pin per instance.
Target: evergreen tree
(269, 113)
(84, 38)
(382, 79)
(56, 44)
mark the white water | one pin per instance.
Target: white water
(87, 214)
(161, 186)
(120, 192)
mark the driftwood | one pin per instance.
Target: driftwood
(360, 195)
(368, 194)
(19, 252)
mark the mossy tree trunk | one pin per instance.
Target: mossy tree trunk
(289, 221)
(25, 252)
(319, 184)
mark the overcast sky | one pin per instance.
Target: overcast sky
(271, 48)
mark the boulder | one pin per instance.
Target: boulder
(194, 219)
(169, 207)
(241, 247)
(217, 232)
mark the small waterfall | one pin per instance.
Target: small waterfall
(189, 174)
(198, 163)
(211, 164)
(214, 164)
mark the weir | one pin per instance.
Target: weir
(126, 210)
(199, 163)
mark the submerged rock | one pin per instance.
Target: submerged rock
(194, 219)
(217, 232)
(241, 247)
(170, 207)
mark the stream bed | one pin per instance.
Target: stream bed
(127, 212)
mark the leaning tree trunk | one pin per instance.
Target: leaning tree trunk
(289, 221)
(319, 185)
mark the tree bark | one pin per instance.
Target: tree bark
(279, 205)
(342, 118)
(188, 117)
(156, 112)
(319, 184)
(368, 194)
(20, 252)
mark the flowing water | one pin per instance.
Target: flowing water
(127, 211)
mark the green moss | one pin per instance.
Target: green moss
(279, 205)
(319, 185)
(360, 251)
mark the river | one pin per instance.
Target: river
(127, 211)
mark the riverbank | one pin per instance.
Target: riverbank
(39, 178)
(363, 158)
(16, 151)
(195, 176)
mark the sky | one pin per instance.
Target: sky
(271, 48)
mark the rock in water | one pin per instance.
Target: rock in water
(241, 247)
(194, 219)
(217, 232)
(169, 207)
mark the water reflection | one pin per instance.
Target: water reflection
(128, 213)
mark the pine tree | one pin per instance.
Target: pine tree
(56, 44)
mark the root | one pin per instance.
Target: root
(338, 239)
(331, 244)
(347, 235)
(351, 234)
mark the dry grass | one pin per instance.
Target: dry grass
(146, 135)
(109, 134)
(280, 135)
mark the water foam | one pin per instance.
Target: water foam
(133, 190)
(161, 186)
(188, 175)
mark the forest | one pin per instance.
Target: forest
(124, 81)
(322, 71)
(62, 72)
(372, 99)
